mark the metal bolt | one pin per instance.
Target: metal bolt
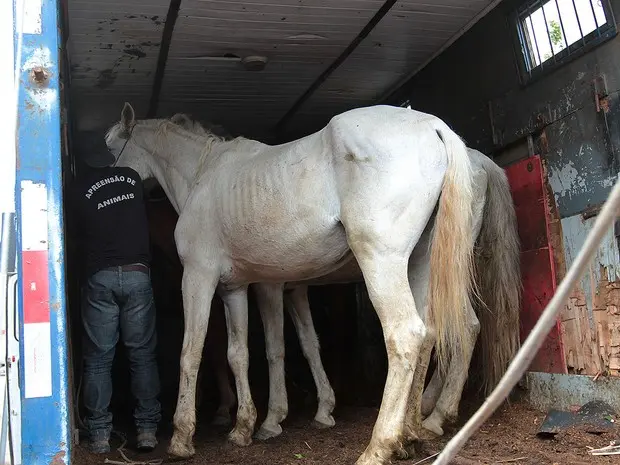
(39, 75)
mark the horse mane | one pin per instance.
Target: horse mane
(203, 133)
(202, 127)
(213, 132)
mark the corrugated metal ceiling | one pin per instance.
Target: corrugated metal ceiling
(114, 48)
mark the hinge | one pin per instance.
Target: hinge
(601, 93)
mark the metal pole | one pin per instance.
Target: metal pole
(7, 268)
(5, 422)
(583, 40)
(605, 220)
(7, 244)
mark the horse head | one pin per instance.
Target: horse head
(121, 142)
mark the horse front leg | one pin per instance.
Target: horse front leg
(198, 287)
(271, 307)
(236, 311)
(298, 307)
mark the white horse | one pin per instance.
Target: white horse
(495, 316)
(366, 184)
(498, 269)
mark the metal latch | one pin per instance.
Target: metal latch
(601, 93)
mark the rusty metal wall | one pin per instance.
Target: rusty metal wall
(571, 117)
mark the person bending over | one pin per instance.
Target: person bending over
(117, 297)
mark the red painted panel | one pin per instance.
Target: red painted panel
(537, 266)
(538, 288)
(526, 185)
(36, 287)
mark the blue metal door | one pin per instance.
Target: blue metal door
(40, 239)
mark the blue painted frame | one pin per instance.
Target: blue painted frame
(46, 435)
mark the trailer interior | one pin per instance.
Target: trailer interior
(516, 78)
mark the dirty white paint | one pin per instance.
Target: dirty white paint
(555, 391)
(7, 117)
(568, 92)
(574, 231)
(40, 57)
(32, 16)
(45, 99)
(568, 182)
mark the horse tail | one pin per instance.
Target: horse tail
(452, 249)
(498, 276)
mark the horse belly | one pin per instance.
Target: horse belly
(286, 254)
(280, 217)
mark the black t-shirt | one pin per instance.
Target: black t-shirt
(110, 218)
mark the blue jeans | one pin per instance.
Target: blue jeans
(119, 302)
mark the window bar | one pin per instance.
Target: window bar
(562, 27)
(583, 39)
(548, 34)
(540, 63)
(528, 15)
(525, 45)
(598, 30)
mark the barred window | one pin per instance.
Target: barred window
(552, 32)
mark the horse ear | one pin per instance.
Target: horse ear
(181, 119)
(128, 117)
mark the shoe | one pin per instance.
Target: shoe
(147, 441)
(99, 446)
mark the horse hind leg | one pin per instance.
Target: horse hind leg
(217, 342)
(431, 393)
(443, 399)
(404, 333)
(222, 417)
(419, 276)
(299, 310)
(383, 259)
(447, 407)
(271, 307)
(412, 429)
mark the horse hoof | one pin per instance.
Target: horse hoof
(239, 439)
(405, 452)
(368, 458)
(221, 421)
(431, 429)
(324, 423)
(427, 408)
(264, 433)
(181, 451)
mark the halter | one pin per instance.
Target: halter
(124, 145)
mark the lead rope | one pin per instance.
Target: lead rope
(126, 460)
